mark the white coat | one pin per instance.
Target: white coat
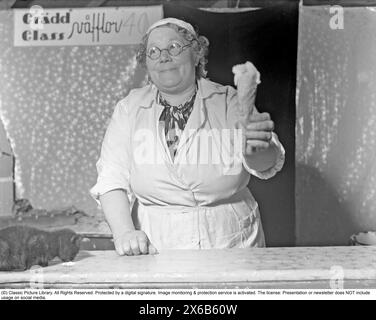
(200, 198)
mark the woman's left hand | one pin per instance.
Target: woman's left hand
(258, 132)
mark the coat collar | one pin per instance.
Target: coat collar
(199, 116)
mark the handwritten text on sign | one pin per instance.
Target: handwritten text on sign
(38, 26)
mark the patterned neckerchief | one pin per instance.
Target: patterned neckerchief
(175, 119)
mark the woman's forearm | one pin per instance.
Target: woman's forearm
(116, 208)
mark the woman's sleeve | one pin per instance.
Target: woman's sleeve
(280, 160)
(232, 105)
(113, 166)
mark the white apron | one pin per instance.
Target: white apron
(235, 224)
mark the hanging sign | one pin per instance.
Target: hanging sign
(39, 26)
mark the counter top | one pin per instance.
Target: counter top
(293, 267)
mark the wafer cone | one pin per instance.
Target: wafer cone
(246, 79)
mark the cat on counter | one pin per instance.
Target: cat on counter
(21, 247)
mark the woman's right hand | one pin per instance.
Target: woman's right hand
(133, 243)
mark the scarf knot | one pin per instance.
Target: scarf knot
(176, 116)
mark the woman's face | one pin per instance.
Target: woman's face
(170, 74)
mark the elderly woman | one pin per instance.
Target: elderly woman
(175, 145)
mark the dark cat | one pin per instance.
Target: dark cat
(21, 247)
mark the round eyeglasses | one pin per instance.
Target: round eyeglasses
(173, 49)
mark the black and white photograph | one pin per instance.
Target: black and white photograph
(187, 150)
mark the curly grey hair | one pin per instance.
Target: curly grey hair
(200, 47)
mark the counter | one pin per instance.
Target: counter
(295, 267)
